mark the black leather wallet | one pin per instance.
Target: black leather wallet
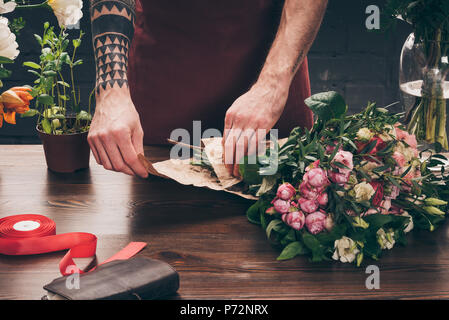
(136, 278)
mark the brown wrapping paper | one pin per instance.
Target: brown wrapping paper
(184, 172)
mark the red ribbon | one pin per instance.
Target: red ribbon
(15, 240)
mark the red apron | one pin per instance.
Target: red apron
(190, 60)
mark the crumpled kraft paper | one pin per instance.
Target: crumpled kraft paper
(184, 172)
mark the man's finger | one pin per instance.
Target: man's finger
(128, 151)
(104, 159)
(241, 149)
(115, 157)
(229, 148)
(94, 150)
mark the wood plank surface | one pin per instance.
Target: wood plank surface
(204, 234)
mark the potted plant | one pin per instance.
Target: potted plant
(62, 124)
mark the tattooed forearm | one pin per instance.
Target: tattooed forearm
(112, 33)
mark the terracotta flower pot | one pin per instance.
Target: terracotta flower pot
(65, 153)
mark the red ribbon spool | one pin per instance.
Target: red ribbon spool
(28, 234)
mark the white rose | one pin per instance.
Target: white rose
(68, 12)
(363, 192)
(7, 7)
(385, 239)
(8, 44)
(365, 134)
(410, 225)
(345, 250)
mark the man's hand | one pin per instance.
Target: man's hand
(259, 108)
(116, 135)
(262, 106)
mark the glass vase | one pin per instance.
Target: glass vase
(424, 86)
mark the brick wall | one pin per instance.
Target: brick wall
(345, 57)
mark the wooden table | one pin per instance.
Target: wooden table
(204, 234)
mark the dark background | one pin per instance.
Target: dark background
(345, 57)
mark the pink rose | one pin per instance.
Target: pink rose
(286, 191)
(316, 177)
(339, 178)
(400, 134)
(294, 219)
(399, 158)
(345, 158)
(315, 164)
(315, 222)
(307, 191)
(323, 199)
(308, 205)
(410, 139)
(280, 205)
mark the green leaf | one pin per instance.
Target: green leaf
(253, 213)
(46, 125)
(30, 113)
(314, 245)
(65, 58)
(32, 64)
(249, 170)
(78, 62)
(327, 105)
(84, 115)
(65, 84)
(38, 38)
(377, 221)
(268, 182)
(5, 60)
(4, 73)
(292, 250)
(273, 225)
(45, 99)
(49, 73)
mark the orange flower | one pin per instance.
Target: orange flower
(12, 101)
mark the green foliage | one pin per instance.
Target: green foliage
(55, 97)
(336, 128)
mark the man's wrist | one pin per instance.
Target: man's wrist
(118, 94)
(275, 82)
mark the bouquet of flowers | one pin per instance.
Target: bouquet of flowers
(350, 187)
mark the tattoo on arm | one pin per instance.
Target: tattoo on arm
(112, 32)
(298, 61)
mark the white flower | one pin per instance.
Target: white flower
(410, 225)
(7, 7)
(363, 192)
(8, 44)
(388, 134)
(68, 12)
(365, 134)
(368, 168)
(345, 250)
(385, 239)
(406, 151)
